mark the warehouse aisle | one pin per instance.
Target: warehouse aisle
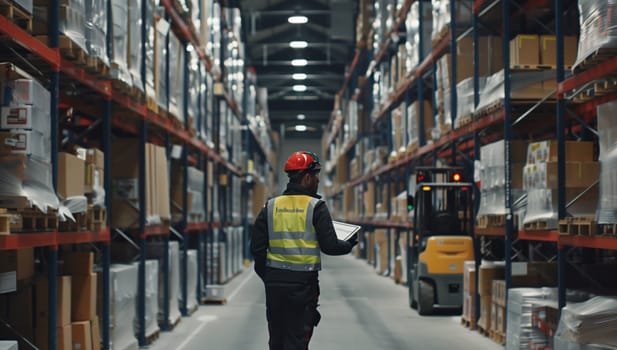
(360, 310)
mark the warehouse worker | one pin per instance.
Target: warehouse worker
(287, 238)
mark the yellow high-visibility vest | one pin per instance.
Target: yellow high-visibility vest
(292, 238)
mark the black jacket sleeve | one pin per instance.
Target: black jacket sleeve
(259, 242)
(329, 244)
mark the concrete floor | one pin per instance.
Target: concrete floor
(359, 309)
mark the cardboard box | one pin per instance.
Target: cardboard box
(20, 260)
(162, 189)
(525, 50)
(83, 307)
(78, 263)
(488, 273)
(544, 175)
(469, 276)
(17, 307)
(96, 334)
(95, 157)
(81, 335)
(546, 151)
(485, 311)
(63, 305)
(64, 337)
(25, 117)
(30, 142)
(29, 92)
(70, 175)
(548, 50)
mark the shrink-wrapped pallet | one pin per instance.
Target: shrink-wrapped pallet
(123, 297)
(598, 23)
(607, 130)
(591, 322)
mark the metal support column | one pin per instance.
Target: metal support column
(185, 182)
(52, 252)
(505, 16)
(420, 80)
(561, 150)
(106, 251)
(141, 284)
(143, 127)
(453, 67)
(476, 153)
(166, 273)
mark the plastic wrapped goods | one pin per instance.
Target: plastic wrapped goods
(592, 321)
(120, 40)
(442, 16)
(123, 295)
(25, 177)
(525, 85)
(191, 285)
(412, 24)
(156, 251)
(72, 22)
(151, 300)
(607, 130)
(134, 43)
(96, 29)
(598, 22)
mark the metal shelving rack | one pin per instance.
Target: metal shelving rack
(48, 59)
(465, 139)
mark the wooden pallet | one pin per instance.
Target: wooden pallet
(5, 222)
(578, 226)
(594, 58)
(497, 337)
(214, 301)
(138, 95)
(68, 49)
(96, 67)
(608, 229)
(493, 220)
(533, 67)
(33, 220)
(152, 104)
(96, 218)
(16, 14)
(80, 224)
(172, 324)
(151, 338)
(471, 324)
(483, 330)
(464, 120)
(537, 225)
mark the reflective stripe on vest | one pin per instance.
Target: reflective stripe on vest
(292, 238)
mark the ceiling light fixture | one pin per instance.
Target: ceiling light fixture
(301, 116)
(299, 76)
(297, 19)
(301, 128)
(299, 62)
(299, 44)
(299, 88)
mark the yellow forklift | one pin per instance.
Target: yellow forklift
(441, 238)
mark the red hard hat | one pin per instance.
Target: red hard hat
(302, 161)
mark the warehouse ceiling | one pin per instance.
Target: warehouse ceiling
(329, 35)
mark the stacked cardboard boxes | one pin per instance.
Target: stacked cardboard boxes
(16, 273)
(125, 183)
(25, 142)
(540, 181)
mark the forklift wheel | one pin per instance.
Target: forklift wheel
(426, 298)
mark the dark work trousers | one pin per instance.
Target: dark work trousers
(292, 314)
